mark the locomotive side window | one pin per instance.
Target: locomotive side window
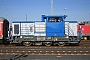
(16, 29)
(31, 28)
(54, 19)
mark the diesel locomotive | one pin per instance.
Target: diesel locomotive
(51, 30)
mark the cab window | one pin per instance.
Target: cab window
(54, 19)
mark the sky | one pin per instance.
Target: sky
(16, 10)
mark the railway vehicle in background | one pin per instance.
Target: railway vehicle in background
(52, 30)
(85, 30)
(4, 25)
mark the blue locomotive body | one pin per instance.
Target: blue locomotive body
(49, 31)
(55, 28)
(55, 25)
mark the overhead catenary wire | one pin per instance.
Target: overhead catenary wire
(7, 10)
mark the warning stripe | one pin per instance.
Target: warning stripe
(1, 22)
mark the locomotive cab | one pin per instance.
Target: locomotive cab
(54, 25)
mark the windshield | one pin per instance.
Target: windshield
(52, 19)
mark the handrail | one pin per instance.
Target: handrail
(70, 32)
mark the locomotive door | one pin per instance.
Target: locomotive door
(16, 29)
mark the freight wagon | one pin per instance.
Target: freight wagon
(4, 26)
(52, 30)
(85, 31)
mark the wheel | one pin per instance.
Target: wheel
(77, 44)
(48, 44)
(27, 43)
(61, 44)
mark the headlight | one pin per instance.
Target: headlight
(20, 36)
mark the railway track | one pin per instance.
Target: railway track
(12, 52)
(45, 50)
(84, 48)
